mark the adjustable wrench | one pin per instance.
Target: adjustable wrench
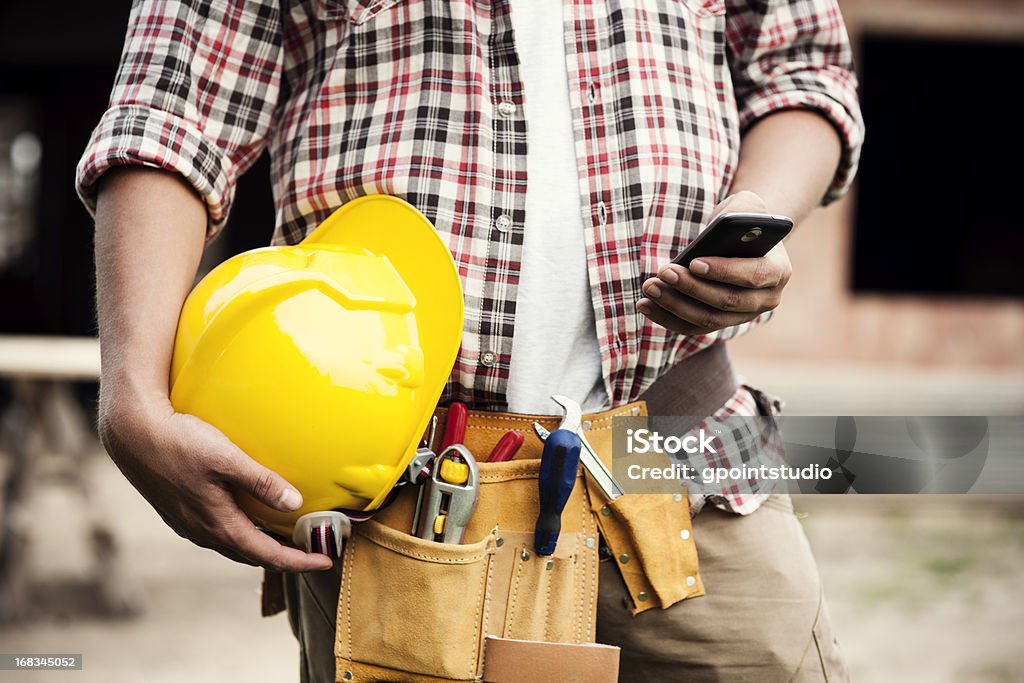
(591, 461)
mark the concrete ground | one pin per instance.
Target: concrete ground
(921, 588)
(924, 588)
(199, 620)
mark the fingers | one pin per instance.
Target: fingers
(187, 469)
(744, 200)
(235, 537)
(686, 315)
(229, 553)
(662, 317)
(264, 484)
(219, 524)
(715, 293)
(723, 297)
(770, 271)
(264, 551)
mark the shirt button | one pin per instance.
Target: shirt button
(690, 580)
(489, 358)
(506, 109)
(602, 213)
(684, 534)
(592, 92)
(503, 222)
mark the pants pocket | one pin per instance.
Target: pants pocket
(411, 609)
(832, 664)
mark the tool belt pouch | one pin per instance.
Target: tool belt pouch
(414, 610)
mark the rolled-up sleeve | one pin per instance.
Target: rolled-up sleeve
(795, 54)
(195, 93)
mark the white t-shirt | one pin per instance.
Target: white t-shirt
(554, 346)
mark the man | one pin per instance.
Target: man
(566, 152)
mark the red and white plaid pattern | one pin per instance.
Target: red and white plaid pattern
(746, 442)
(402, 97)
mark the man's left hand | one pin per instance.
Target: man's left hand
(714, 292)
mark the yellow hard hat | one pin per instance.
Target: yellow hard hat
(324, 360)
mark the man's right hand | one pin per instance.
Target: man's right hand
(150, 230)
(187, 470)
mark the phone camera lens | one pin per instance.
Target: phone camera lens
(751, 235)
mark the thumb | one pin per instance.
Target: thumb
(741, 201)
(263, 484)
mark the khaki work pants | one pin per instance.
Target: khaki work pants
(763, 619)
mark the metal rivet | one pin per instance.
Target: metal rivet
(678, 498)
(590, 543)
(550, 565)
(690, 580)
(587, 424)
(524, 556)
(634, 411)
(684, 534)
(624, 558)
(489, 358)
(498, 542)
(506, 109)
(348, 675)
(605, 510)
(641, 596)
(503, 222)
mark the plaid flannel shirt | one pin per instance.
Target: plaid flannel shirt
(423, 99)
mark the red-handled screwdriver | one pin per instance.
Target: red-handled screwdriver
(506, 447)
(454, 425)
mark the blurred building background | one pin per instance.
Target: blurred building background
(907, 295)
(907, 298)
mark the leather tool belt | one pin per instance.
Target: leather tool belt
(411, 609)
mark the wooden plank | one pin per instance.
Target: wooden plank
(54, 358)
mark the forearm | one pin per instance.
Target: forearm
(789, 159)
(150, 231)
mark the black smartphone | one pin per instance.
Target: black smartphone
(737, 235)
